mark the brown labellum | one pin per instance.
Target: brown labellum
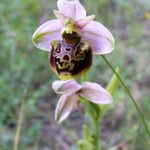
(70, 57)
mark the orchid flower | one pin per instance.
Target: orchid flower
(72, 39)
(71, 91)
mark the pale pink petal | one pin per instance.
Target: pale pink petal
(60, 17)
(99, 38)
(47, 32)
(62, 87)
(64, 107)
(95, 93)
(71, 9)
(84, 21)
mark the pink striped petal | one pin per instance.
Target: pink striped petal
(99, 38)
(84, 21)
(62, 87)
(64, 107)
(71, 9)
(47, 32)
(95, 93)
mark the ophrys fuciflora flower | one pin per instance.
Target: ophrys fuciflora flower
(72, 39)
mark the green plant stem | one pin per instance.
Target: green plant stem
(91, 136)
(130, 95)
(20, 121)
(96, 135)
(94, 113)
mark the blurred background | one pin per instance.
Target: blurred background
(25, 75)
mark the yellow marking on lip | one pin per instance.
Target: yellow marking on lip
(67, 76)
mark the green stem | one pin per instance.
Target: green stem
(91, 132)
(96, 135)
(130, 95)
(20, 121)
(94, 113)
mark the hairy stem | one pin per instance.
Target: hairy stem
(130, 95)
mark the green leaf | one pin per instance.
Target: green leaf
(114, 82)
